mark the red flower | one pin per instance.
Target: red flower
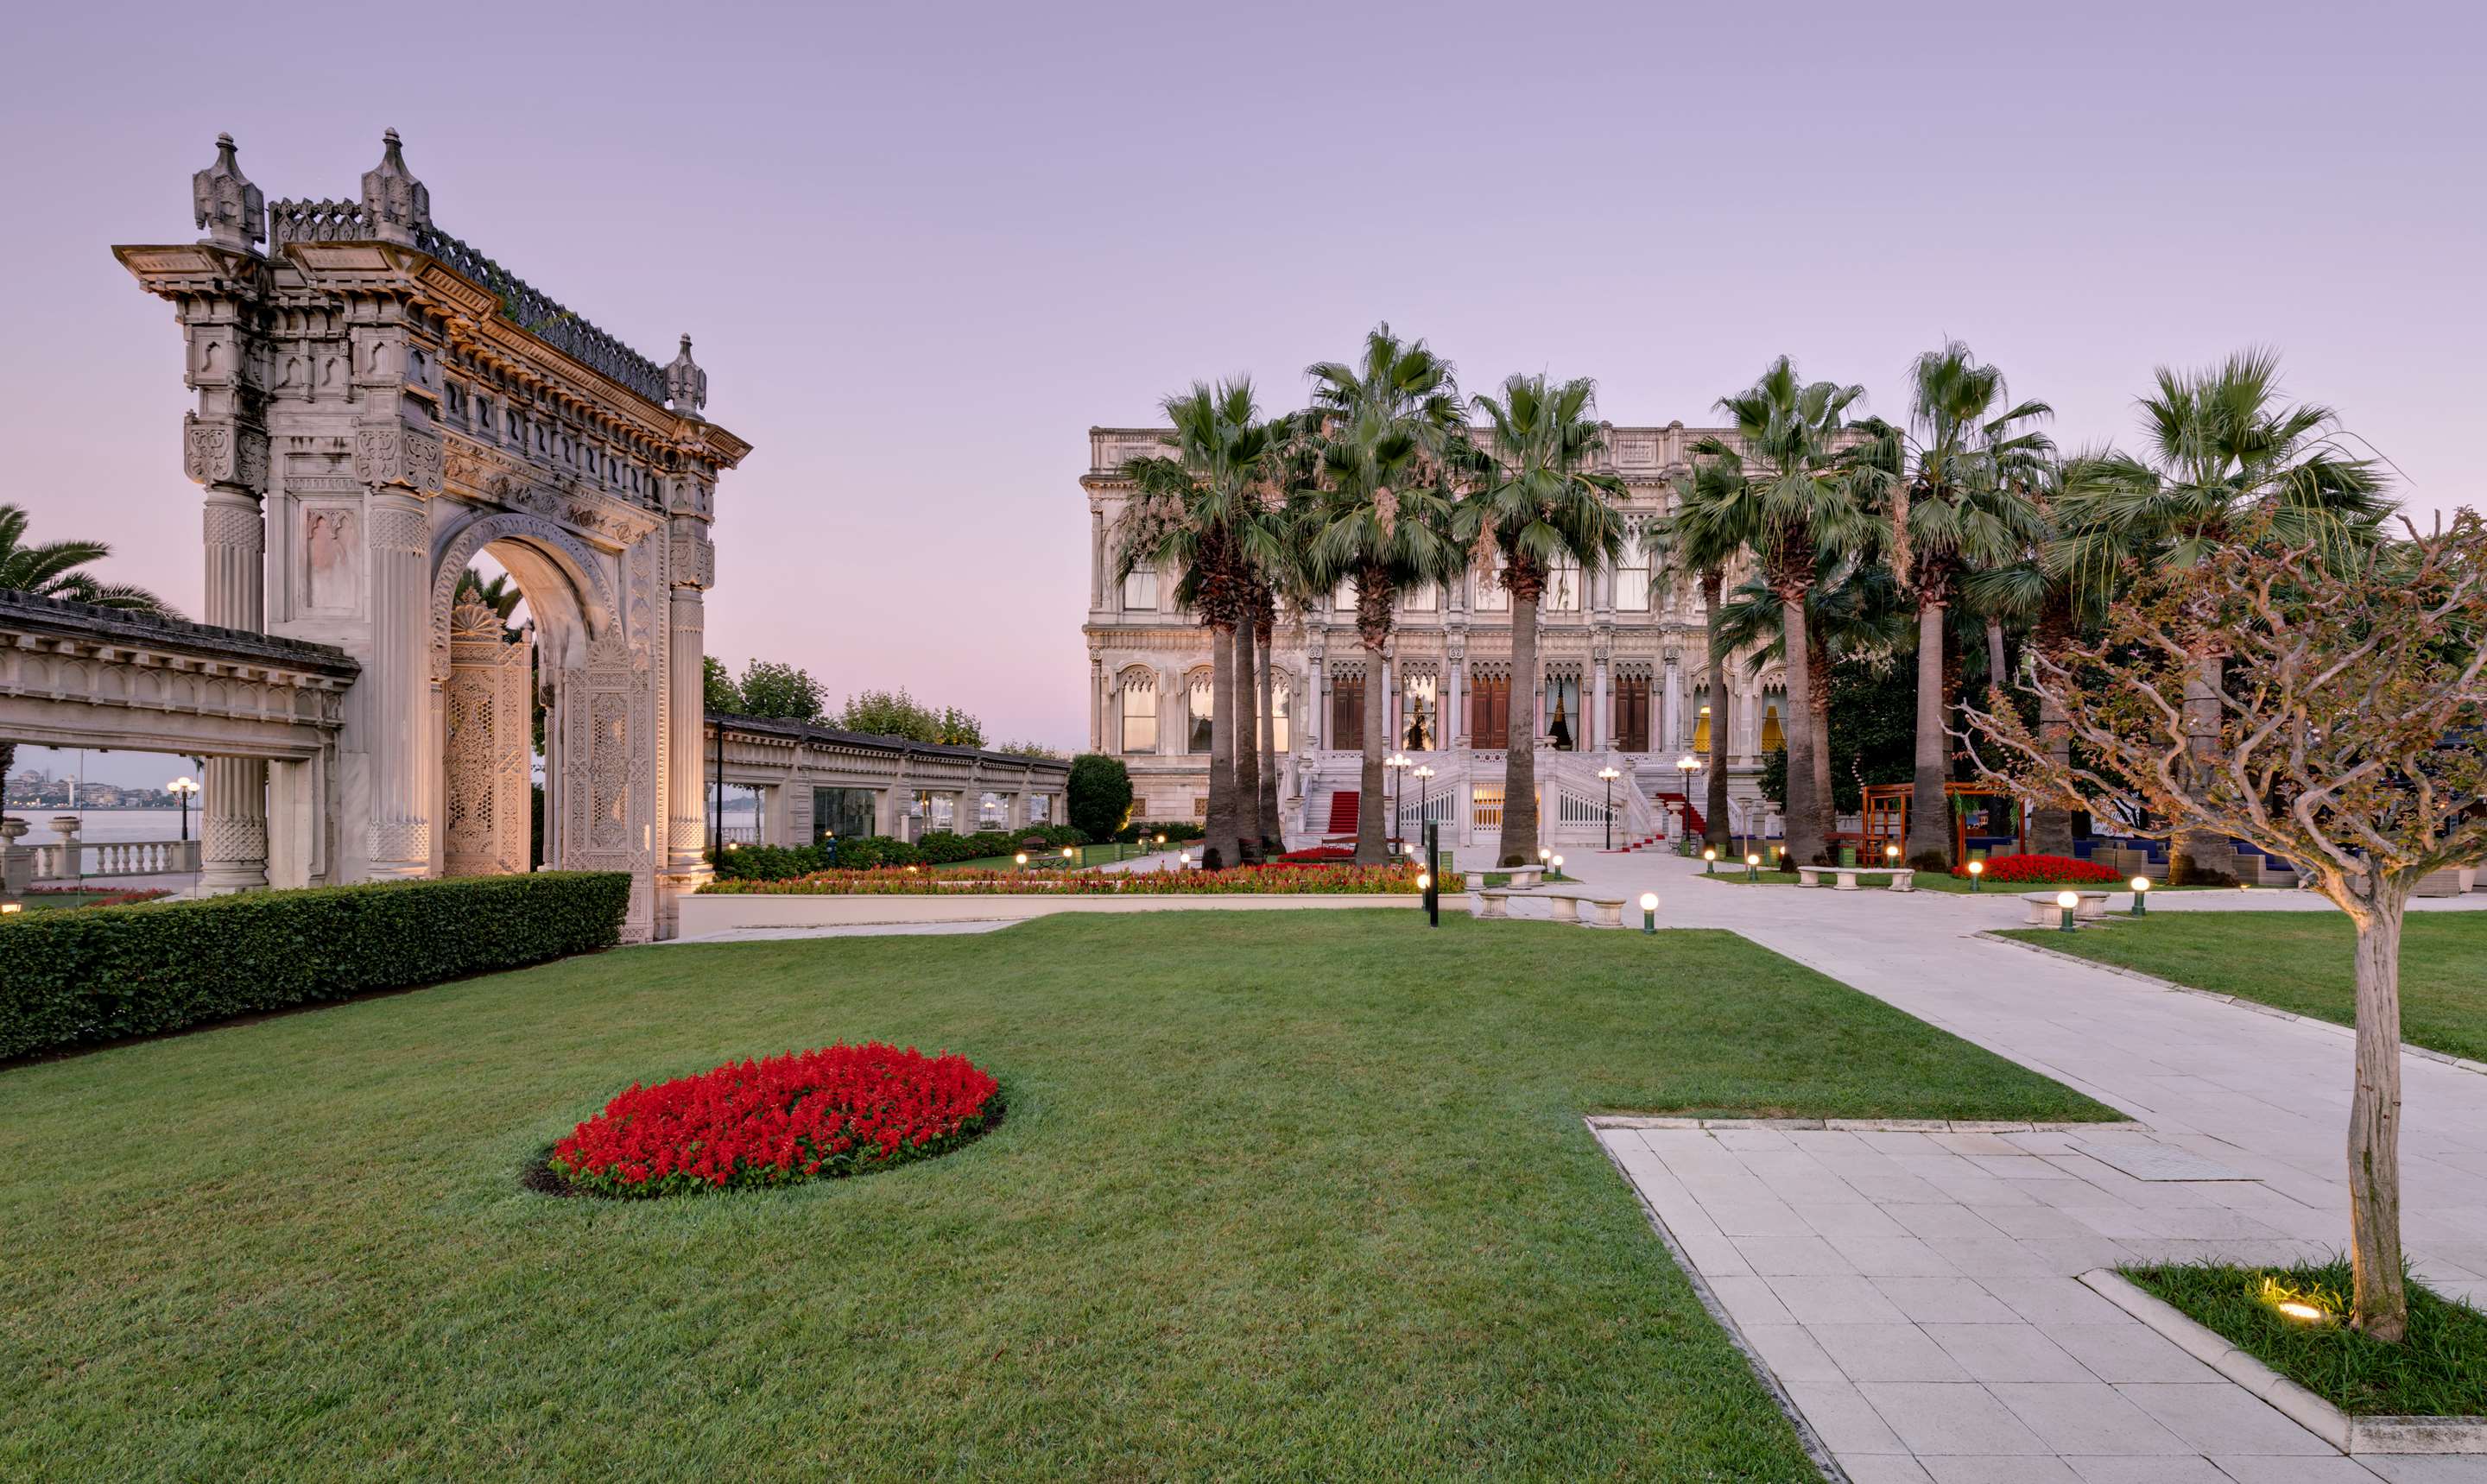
(838, 1111)
(2043, 871)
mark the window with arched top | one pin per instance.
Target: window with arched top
(1774, 732)
(1139, 714)
(1199, 710)
(1281, 706)
(1701, 722)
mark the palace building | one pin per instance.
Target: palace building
(1622, 684)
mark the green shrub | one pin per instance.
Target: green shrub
(770, 862)
(864, 852)
(1098, 797)
(1176, 831)
(72, 979)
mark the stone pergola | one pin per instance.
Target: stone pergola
(377, 403)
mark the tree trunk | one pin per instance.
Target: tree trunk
(2051, 827)
(2191, 851)
(1716, 836)
(1803, 814)
(1247, 747)
(1518, 845)
(2380, 1301)
(1273, 837)
(1826, 799)
(1217, 845)
(1372, 833)
(1929, 813)
(1995, 670)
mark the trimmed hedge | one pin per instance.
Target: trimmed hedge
(102, 974)
(864, 852)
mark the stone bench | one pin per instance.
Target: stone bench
(1563, 909)
(2044, 913)
(1523, 878)
(1610, 911)
(1492, 903)
(1904, 878)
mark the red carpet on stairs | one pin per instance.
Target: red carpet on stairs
(1342, 815)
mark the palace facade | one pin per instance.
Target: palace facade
(1621, 683)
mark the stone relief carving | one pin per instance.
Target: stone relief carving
(403, 533)
(398, 455)
(220, 452)
(332, 564)
(233, 525)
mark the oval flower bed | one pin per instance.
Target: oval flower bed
(802, 1116)
(2044, 870)
(1253, 880)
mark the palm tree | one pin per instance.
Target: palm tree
(1385, 522)
(2224, 459)
(1804, 499)
(51, 570)
(1540, 503)
(1853, 608)
(1389, 435)
(1197, 511)
(1711, 528)
(1955, 480)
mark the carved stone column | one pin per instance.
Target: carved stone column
(685, 767)
(399, 465)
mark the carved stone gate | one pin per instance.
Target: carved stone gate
(377, 402)
(488, 707)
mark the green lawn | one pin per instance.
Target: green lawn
(2441, 1370)
(1924, 881)
(2301, 961)
(1280, 1195)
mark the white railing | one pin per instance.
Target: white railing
(738, 835)
(91, 860)
(1569, 810)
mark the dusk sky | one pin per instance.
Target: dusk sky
(922, 249)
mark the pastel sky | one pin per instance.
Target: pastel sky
(923, 248)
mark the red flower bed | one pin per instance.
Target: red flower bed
(1314, 855)
(808, 1114)
(2043, 871)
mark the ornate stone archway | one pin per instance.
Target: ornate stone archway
(378, 401)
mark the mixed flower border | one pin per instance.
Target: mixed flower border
(1276, 880)
(827, 1114)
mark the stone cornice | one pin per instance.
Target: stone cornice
(56, 626)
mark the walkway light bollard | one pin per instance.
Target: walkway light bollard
(1649, 912)
(1432, 877)
(1891, 855)
(1752, 868)
(2141, 896)
(2066, 901)
(1976, 873)
(1020, 860)
(1555, 866)
(1709, 861)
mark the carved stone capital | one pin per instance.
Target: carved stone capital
(224, 452)
(691, 559)
(398, 455)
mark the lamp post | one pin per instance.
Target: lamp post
(1649, 912)
(1395, 762)
(182, 788)
(1424, 776)
(1685, 767)
(1610, 774)
(2140, 897)
(1976, 873)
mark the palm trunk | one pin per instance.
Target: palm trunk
(2191, 852)
(2380, 1301)
(1247, 748)
(1271, 837)
(1817, 699)
(1518, 845)
(1929, 843)
(1803, 818)
(1218, 846)
(1372, 835)
(2051, 827)
(1716, 835)
(1994, 654)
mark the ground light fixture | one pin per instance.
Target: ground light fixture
(1891, 853)
(1022, 860)
(1649, 912)
(1543, 855)
(1160, 840)
(1976, 873)
(1752, 868)
(1556, 863)
(2300, 1310)
(1424, 881)
(10, 909)
(2141, 896)
(2067, 900)
(1708, 861)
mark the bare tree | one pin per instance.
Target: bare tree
(2351, 729)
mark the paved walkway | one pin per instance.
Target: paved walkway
(1915, 1292)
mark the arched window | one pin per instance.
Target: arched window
(1281, 737)
(1701, 723)
(1139, 711)
(1199, 709)
(1773, 734)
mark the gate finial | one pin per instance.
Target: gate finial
(226, 205)
(396, 203)
(685, 384)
